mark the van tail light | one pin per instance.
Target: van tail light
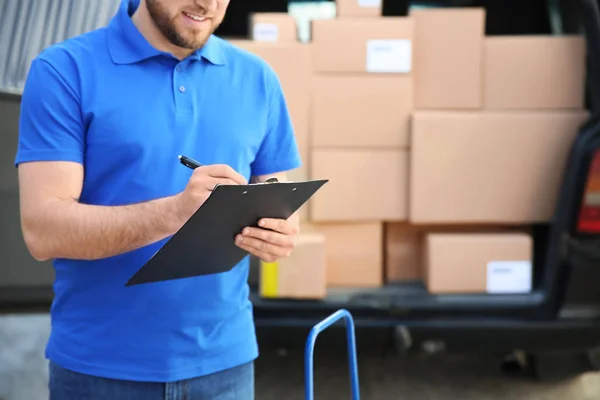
(589, 214)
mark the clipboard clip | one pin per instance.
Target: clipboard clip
(266, 182)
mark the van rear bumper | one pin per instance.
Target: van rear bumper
(465, 336)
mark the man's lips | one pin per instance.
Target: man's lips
(194, 17)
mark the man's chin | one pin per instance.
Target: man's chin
(197, 41)
(190, 44)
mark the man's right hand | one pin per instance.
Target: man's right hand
(201, 184)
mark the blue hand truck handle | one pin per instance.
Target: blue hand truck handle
(310, 349)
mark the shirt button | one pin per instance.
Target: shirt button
(179, 68)
(182, 89)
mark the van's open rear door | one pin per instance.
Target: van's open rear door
(572, 273)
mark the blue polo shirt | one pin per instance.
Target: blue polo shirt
(110, 101)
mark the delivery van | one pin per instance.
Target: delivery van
(552, 331)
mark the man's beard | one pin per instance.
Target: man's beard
(168, 29)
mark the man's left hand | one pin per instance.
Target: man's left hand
(272, 241)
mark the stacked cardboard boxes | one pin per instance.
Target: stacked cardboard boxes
(442, 146)
(493, 124)
(362, 100)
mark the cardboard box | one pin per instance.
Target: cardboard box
(534, 72)
(364, 185)
(448, 47)
(354, 254)
(361, 111)
(488, 167)
(273, 27)
(404, 244)
(358, 8)
(378, 45)
(403, 252)
(302, 275)
(478, 263)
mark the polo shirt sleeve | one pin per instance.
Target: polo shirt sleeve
(278, 151)
(50, 125)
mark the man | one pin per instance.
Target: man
(104, 117)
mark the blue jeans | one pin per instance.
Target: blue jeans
(233, 384)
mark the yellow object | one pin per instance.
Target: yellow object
(269, 278)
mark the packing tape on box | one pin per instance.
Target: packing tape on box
(269, 279)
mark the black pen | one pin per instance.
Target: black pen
(189, 162)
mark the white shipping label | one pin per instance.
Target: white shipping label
(509, 277)
(369, 3)
(389, 55)
(265, 32)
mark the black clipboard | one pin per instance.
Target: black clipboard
(205, 244)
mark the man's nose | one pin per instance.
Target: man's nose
(209, 6)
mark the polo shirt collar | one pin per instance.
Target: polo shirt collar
(127, 45)
(211, 51)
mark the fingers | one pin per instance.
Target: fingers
(261, 255)
(268, 244)
(271, 254)
(267, 236)
(256, 246)
(287, 227)
(225, 171)
(209, 183)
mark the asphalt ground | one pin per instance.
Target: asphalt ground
(383, 374)
(279, 375)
